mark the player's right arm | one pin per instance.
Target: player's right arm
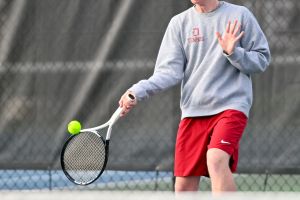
(169, 68)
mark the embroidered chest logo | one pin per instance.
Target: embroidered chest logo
(196, 36)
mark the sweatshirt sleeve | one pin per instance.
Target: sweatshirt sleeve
(169, 65)
(253, 54)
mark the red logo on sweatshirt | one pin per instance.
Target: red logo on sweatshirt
(196, 32)
(196, 36)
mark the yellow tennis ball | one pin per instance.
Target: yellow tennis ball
(74, 127)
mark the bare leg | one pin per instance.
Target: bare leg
(219, 171)
(187, 184)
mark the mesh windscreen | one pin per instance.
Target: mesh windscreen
(84, 157)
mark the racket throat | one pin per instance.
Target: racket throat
(108, 134)
(107, 146)
(106, 155)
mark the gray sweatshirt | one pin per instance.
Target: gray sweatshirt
(211, 81)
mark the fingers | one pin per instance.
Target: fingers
(125, 111)
(232, 27)
(233, 31)
(237, 30)
(228, 27)
(231, 36)
(240, 36)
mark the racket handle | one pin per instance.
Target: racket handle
(115, 116)
(113, 120)
(131, 97)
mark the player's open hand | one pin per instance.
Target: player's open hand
(127, 102)
(231, 36)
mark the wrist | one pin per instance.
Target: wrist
(228, 53)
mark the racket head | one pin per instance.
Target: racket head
(84, 157)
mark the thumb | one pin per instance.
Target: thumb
(121, 103)
(219, 36)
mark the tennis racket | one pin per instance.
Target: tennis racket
(84, 156)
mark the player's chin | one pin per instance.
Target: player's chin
(197, 1)
(194, 1)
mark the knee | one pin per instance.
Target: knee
(217, 160)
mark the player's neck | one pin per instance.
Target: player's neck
(207, 6)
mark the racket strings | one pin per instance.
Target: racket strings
(84, 157)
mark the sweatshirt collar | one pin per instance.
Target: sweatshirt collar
(211, 13)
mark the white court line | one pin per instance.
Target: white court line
(133, 195)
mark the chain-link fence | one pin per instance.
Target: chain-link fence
(73, 59)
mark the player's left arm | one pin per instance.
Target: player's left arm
(245, 45)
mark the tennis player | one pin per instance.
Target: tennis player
(212, 48)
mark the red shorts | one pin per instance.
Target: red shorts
(198, 134)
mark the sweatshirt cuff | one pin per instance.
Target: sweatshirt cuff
(137, 92)
(236, 55)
